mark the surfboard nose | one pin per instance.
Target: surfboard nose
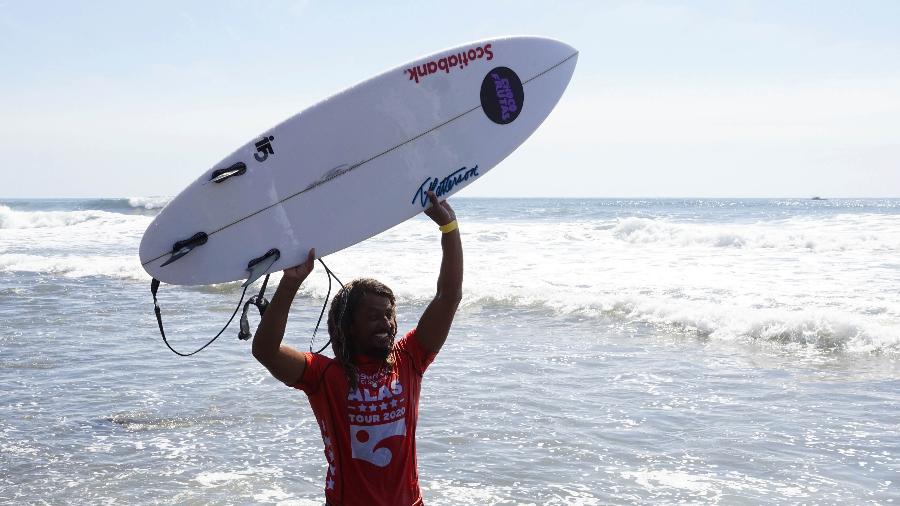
(548, 46)
(545, 55)
(564, 48)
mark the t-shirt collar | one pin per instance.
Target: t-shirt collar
(366, 360)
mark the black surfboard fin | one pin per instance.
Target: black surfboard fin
(222, 174)
(182, 248)
(259, 266)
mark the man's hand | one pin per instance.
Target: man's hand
(298, 273)
(440, 212)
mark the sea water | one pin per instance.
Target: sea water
(605, 352)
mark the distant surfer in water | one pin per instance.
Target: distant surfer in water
(366, 399)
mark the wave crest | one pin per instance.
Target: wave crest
(148, 203)
(811, 330)
(839, 234)
(10, 219)
(73, 266)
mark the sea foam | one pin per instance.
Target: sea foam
(148, 202)
(10, 218)
(823, 282)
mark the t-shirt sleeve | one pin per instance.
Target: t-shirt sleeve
(421, 358)
(311, 379)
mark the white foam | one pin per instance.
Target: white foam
(271, 495)
(824, 283)
(848, 232)
(651, 480)
(808, 329)
(11, 219)
(211, 479)
(84, 223)
(214, 479)
(149, 202)
(471, 493)
(72, 243)
(70, 266)
(756, 282)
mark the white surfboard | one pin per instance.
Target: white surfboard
(359, 162)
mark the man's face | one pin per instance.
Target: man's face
(374, 325)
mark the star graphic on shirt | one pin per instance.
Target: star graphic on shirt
(330, 484)
(384, 405)
(327, 440)
(373, 408)
(393, 403)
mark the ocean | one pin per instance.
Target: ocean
(607, 351)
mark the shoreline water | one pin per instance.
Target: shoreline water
(617, 354)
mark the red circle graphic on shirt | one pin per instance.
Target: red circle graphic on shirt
(362, 436)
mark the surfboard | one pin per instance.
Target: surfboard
(359, 162)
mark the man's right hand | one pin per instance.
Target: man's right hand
(298, 273)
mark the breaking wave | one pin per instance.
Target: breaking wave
(10, 219)
(148, 203)
(820, 283)
(839, 234)
(126, 267)
(813, 329)
(141, 205)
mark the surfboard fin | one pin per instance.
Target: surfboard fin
(222, 174)
(182, 248)
(259, 266)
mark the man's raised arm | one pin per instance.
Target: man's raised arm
(434, 326)
(284, 362)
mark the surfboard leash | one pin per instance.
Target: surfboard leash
(322, 313)
(154, 287)
(259, 300)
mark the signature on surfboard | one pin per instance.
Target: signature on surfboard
(443, 186)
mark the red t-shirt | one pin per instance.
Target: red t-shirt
(369, 433)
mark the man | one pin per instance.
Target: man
(366, 399)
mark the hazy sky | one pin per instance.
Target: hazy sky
(693, 99)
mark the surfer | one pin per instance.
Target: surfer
(366, 399)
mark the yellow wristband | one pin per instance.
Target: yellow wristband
(450, 227)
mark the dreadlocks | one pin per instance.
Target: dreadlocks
(340, 318)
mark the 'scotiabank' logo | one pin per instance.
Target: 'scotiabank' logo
(459, 60)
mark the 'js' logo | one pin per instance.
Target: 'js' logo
(264, 148)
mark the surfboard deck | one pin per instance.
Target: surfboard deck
(359, 162)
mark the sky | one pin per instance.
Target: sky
(669, 99)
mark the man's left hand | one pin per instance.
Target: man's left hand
(440, 212)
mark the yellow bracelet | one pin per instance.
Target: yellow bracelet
(450, 227)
